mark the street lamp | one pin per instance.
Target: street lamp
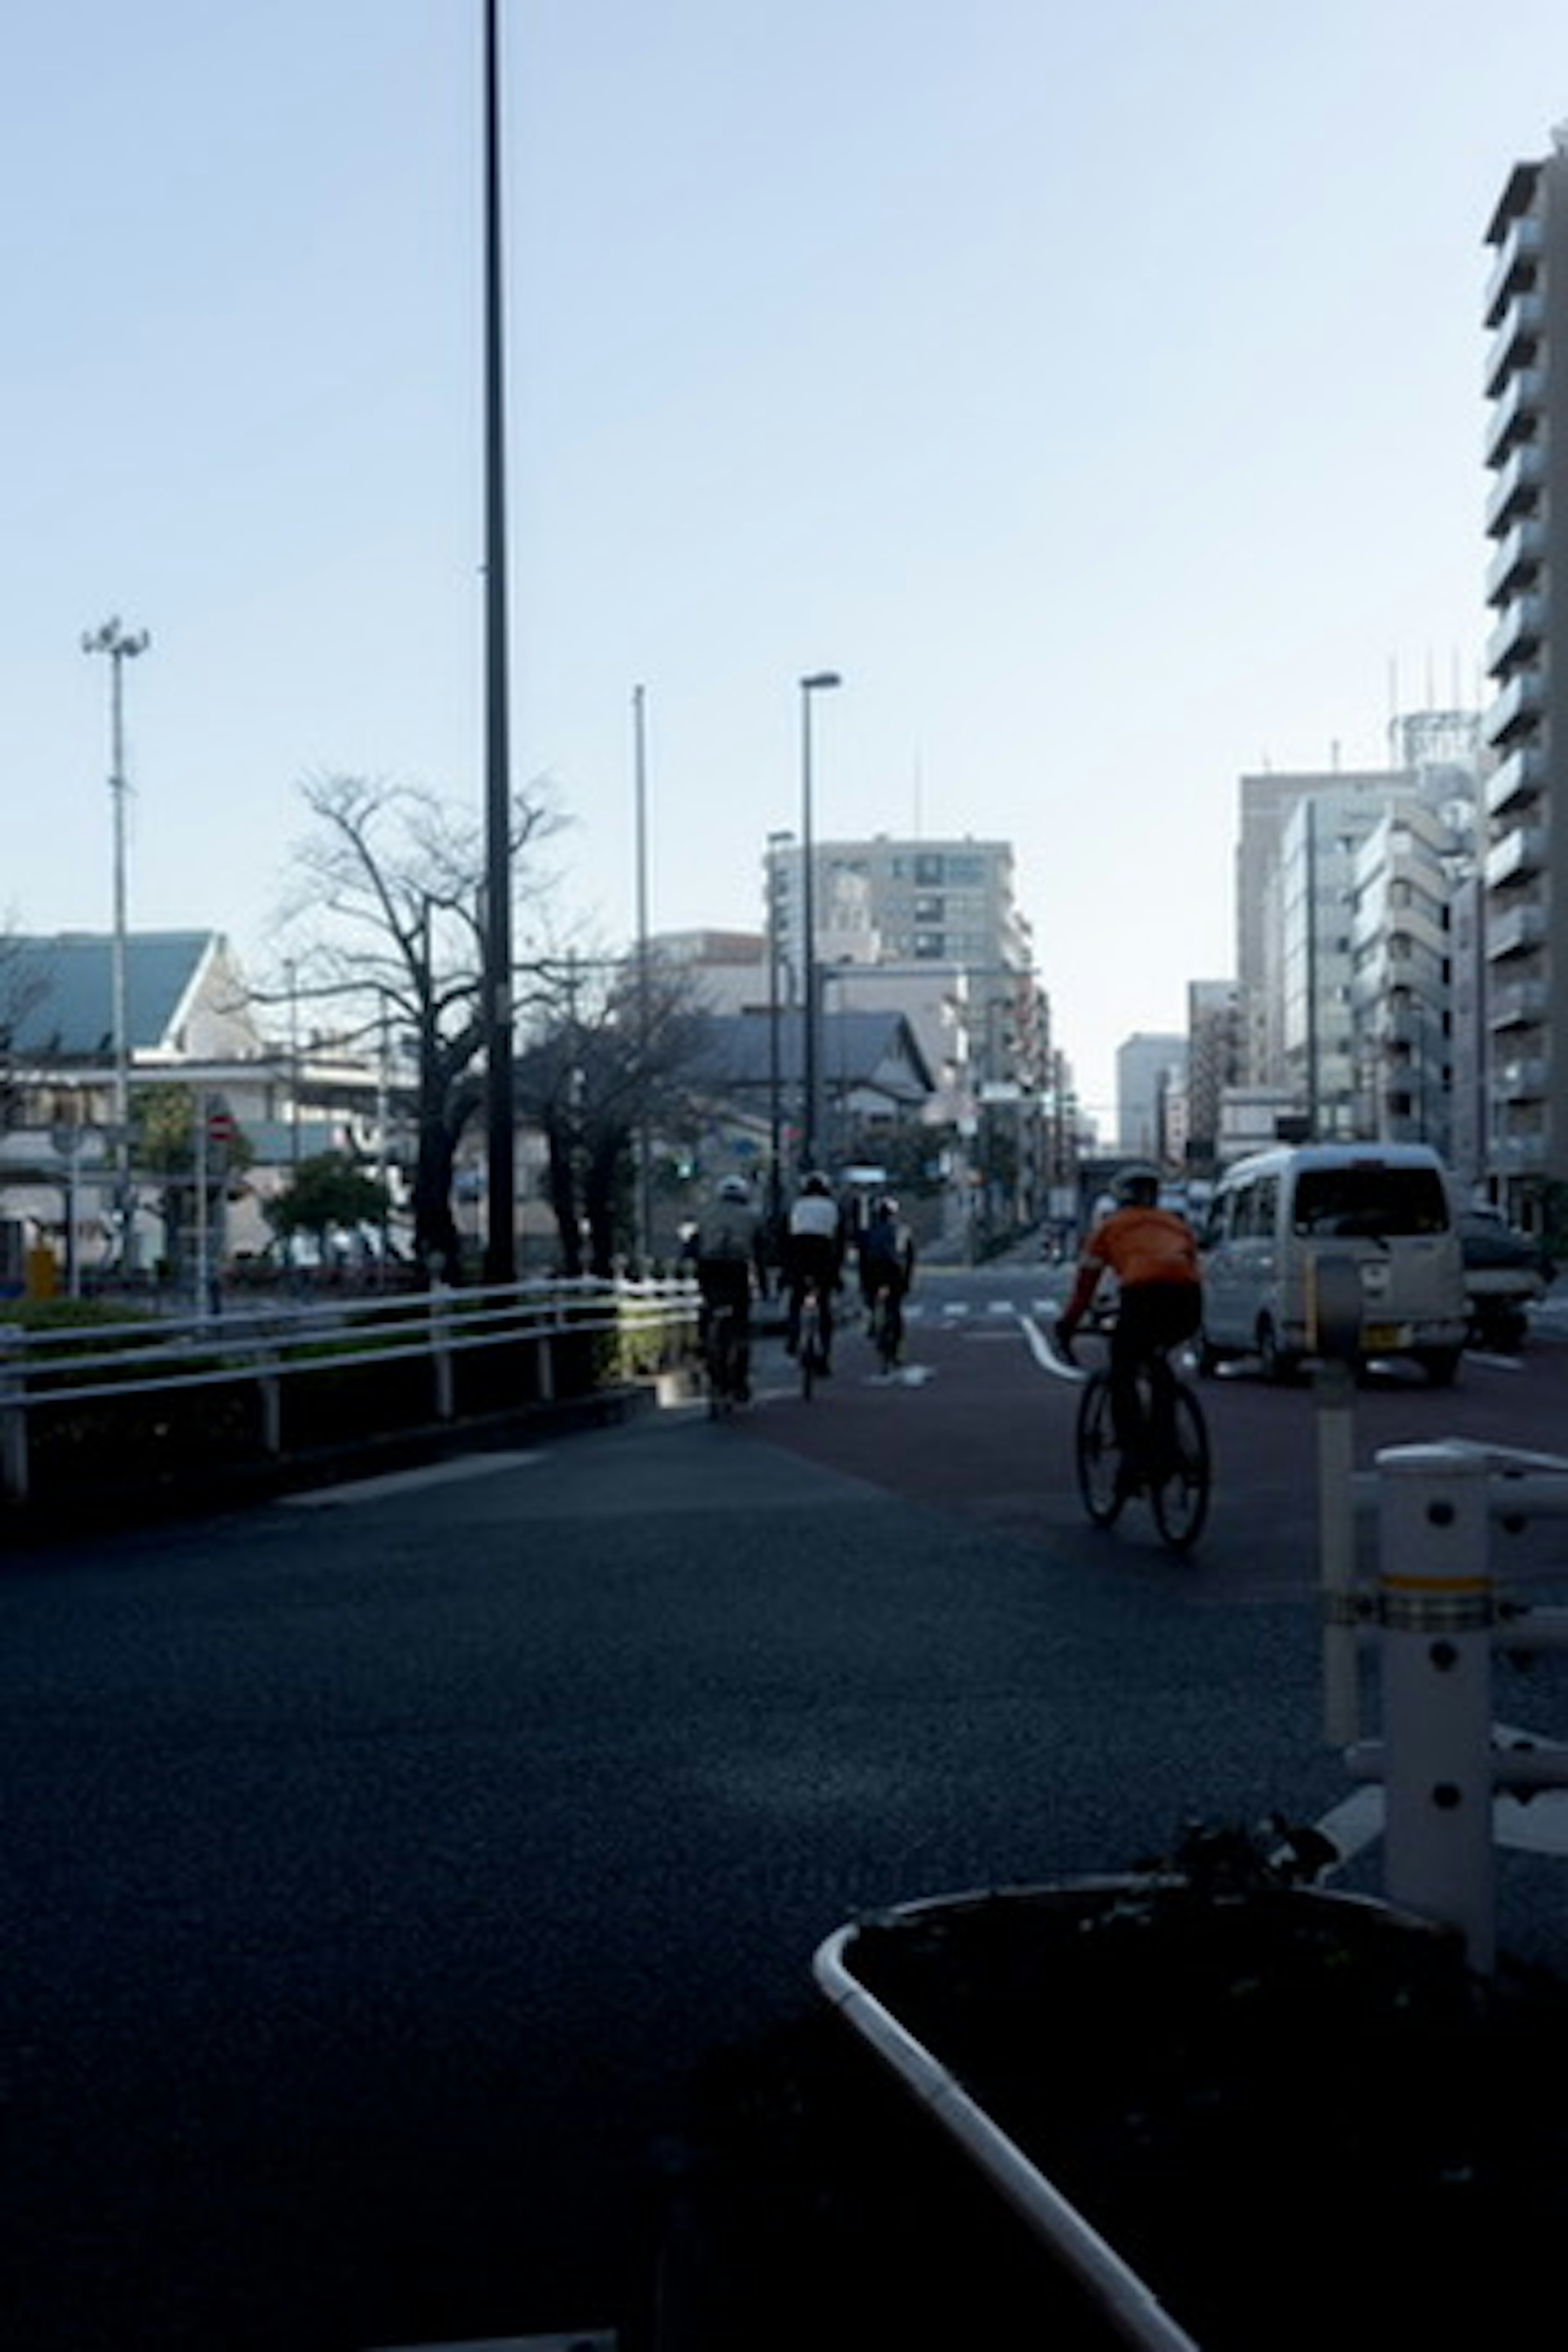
(776, 1120)
(821, 681)
(645, 1010)
(501, 1235)
(122, 645)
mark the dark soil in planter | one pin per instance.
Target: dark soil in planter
(1297, 2115)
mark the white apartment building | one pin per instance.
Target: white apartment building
(1525, 873)
(1401, 994)
(924, 904)
(1346, 884)
(1267, 801)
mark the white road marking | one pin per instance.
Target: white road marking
(408, 1481)
(1045, 1356)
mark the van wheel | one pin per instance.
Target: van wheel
(1439, 1365)
(1276, 1364)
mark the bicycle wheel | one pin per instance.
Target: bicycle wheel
(722, 1365)
(810, 1348)
(1099, 1454)
(1179, 1490)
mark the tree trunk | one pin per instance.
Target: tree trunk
(563, 1197)
(435, 1242)
(601, 1188)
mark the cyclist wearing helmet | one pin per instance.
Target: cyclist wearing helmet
(726, 1250)
(814, 1254)
(1154, 1255)
(887, 1252)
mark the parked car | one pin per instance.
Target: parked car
(1506, 1271)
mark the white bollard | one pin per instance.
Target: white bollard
(1435, 1604)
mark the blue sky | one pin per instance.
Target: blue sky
(1098, 390)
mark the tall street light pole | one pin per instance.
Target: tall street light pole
(775, 1114)
(821, 681)
(644, 1016)
(122, 645)
(501, 1238)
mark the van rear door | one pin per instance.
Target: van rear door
(1395, 1219)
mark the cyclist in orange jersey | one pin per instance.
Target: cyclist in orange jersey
(1154, 1255)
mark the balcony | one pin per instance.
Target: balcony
(1517, 415)
(1514, 930)
(1517, 339)
(1518, 780)
(1516, 558)
(1519, 1155)
(1517, 486)
(1521, 629)
(1518, 855)
(1517, 1004)
(1517, 257)
(1518, 706)
(1520, 1080)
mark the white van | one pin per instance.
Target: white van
(1387, 1206)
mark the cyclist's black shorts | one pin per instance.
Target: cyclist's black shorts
(1152, 1317)
(726, 1282)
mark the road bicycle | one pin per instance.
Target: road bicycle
(812, 1351)
(1170, 1467)
(722, 1362)
(887, 1325)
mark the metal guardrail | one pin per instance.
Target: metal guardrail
(647, 1326)
(1439, 1607)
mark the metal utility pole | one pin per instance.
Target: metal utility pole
(122, 645)
(501, 1238)
(820, 681)
(776, 1111)
(644, 1016)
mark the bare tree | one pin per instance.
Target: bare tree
(391, 878)
(612, 1046)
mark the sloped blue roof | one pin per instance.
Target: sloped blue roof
(57, 994)
(857, 1048)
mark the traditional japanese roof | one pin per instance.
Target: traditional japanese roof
(854, 1049)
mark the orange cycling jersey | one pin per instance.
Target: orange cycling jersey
(1143, 1245)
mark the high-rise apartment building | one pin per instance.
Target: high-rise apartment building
(1269, 801)
(1217, 1059)
(1148, 1065)
(928, 904)
(1344, 888)
(1525, 873)
(1407, 1041)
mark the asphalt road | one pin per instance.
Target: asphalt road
(378, 1865)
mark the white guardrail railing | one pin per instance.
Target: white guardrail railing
(647, 1327)
(1441, 1605)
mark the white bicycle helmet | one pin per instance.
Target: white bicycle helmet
(1137, 1182)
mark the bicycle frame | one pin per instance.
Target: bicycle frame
(1167, 1459)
